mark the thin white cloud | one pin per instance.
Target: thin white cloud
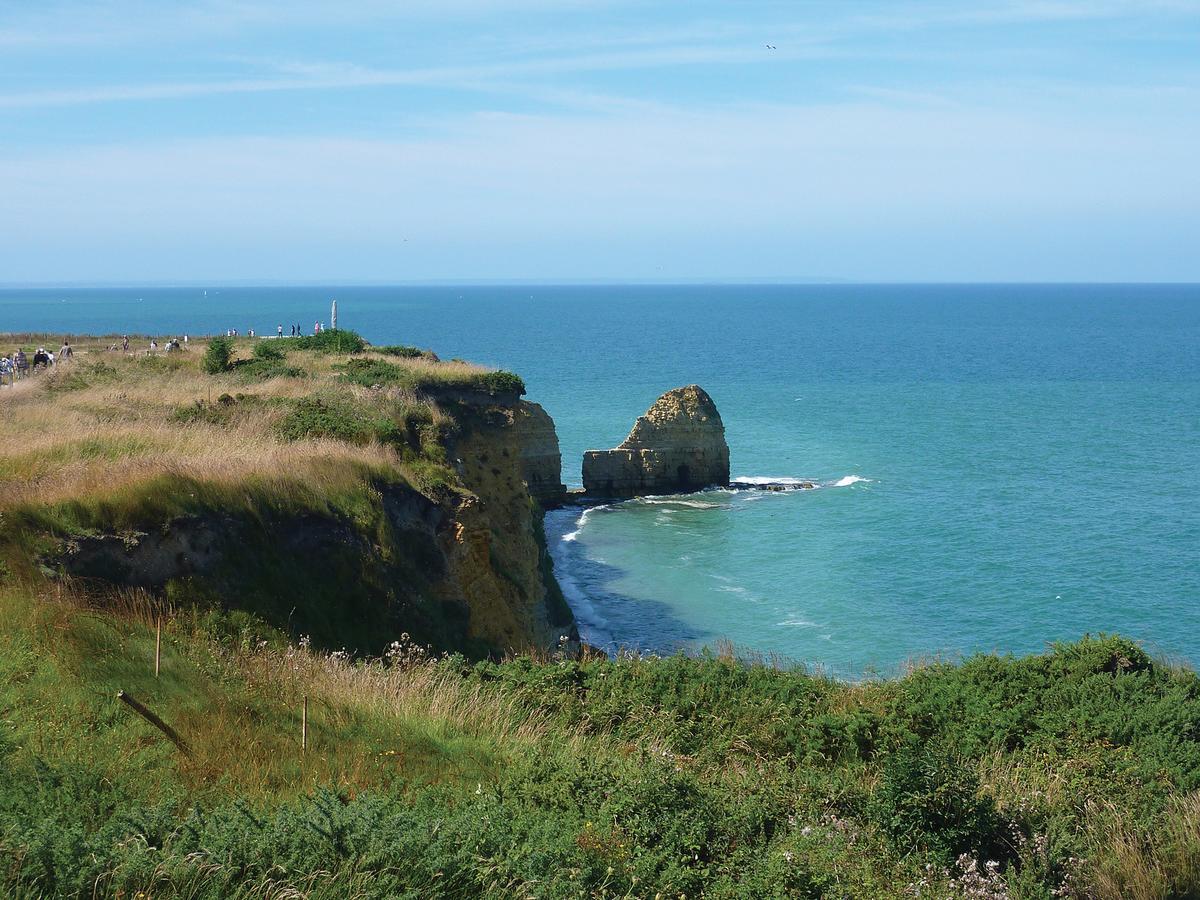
(327, 77)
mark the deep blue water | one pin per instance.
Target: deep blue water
(1030, 455)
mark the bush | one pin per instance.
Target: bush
(218, 356)
(257, 370)
(340, 341)
(266, 350)
(372, 372)
(930, 801)
(405, 352)
(338, 419)
(500, 383)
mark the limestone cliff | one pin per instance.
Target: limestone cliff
(541, 460)
(677, 446)
(498, 558)
(462, 567)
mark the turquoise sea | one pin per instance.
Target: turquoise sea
(999, 466)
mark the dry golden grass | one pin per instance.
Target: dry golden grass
(1020, 782)
(1137, 865)
(406, 688)
(64, 444)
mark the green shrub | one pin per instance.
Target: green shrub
(500, 383)
(340, 341)
(268, 350)
(218, 356)
(339, 419)
(929, 800)
(372, 372)
(405, 352)
(250, 371)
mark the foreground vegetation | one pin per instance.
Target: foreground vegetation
(1074, 773)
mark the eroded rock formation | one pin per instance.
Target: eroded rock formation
(541, 460)
(677, 446)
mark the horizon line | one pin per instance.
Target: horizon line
(795, 281)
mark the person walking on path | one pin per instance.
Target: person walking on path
(7, 371)
(21, 362)
(65, 352)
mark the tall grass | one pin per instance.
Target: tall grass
(628, 777)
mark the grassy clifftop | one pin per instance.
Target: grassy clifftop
(314, 483)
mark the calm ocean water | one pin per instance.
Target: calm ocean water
(1001, 466)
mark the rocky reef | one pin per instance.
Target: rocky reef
(677, 446)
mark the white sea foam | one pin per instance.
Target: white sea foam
(770, 479)
(580, 522)
(677, 501)
(591, 624)
(849, 480)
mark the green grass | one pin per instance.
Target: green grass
(405, 352)
(631, 777)
(377, 372)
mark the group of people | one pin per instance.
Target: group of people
(167, 346)
(18, 364)
(297, 331)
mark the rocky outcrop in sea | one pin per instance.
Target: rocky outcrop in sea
(677, 446)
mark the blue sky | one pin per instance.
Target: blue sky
(287, 140)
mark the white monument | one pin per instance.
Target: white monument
(333, 316)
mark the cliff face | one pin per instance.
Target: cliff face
(541, 460)
(677, 446)
(463, 568)
(497, 554)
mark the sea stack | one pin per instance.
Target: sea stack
(676, 447)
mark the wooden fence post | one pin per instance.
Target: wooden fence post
(154, 720)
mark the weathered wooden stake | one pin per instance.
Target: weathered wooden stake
(304, 725)
(157, 644)
(154, 720)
